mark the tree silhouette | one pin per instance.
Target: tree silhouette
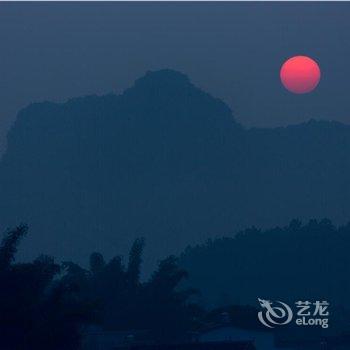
(37, 309)
(9, 245)
(44, 305)
(125, 302)
(169, 310)
(135, 260)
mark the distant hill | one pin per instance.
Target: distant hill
(308, 261)
(163, 160)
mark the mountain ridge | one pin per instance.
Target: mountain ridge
(163, 160)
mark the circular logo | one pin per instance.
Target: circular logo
(274, 313)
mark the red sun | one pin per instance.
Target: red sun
(300, 74)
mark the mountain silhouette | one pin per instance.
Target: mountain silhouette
(166, 161)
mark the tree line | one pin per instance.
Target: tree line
(46, 305)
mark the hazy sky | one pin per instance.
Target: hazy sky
(54, 51)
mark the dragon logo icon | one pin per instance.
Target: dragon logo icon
(274, 313)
